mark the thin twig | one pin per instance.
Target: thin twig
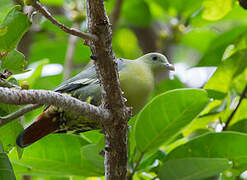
(75, 32)
(10, 117)
(242, 96)
(8, 84)
(116, 13)
(44, 97)
(70, 54)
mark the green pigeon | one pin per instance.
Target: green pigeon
(137, 80)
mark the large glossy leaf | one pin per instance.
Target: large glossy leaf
(192, 168)
(14, 61)
(229, 145)
(230, 68)
(214, 53)
(57, 154)
(166, 115)
(17, 24)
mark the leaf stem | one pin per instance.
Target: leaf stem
(242, 96)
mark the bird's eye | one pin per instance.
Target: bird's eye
(154, 58)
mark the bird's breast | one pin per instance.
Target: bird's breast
(137, 84)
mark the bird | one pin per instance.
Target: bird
(137, 80)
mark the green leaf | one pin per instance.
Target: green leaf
(6, 170)
(17, 24)
(56, 154)
(134, 13)
(5, 7)
(216, 9)
(91, 153)
(93, 136)
(9, 133)
(229, 145)
(215, 94)
(168, 84)
(192, 168)
(166, 115)
(230, 68)
(15, 62)
(240, 126)
(148, 161)
(216, 48)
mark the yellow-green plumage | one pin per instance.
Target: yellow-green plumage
(137, 80)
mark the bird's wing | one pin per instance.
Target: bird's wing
(84, 78)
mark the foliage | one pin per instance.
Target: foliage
(176, 135)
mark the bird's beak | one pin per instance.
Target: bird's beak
(171, 67)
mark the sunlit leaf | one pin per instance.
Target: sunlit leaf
(216, 9)
(216, 48)
(230, 68)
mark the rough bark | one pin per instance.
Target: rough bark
(21, 97)
(116, 128)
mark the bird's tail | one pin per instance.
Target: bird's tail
(44, 125)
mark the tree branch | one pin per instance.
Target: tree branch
(20, 97)
(87, 36)
(106, 67)
(242, 96)
(10, 117)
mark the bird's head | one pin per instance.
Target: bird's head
(157, 62)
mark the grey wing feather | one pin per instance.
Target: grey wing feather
(84, 78)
